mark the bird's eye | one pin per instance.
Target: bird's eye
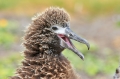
(54, 28)
(71, 34)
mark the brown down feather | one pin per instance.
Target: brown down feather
(42, 55)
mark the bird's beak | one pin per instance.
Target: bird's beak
(66, 42)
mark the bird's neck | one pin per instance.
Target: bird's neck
(48, 63)
(46, 60)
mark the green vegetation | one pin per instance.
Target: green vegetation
(118, 24)
(7, 4)
(7, 30)
(8, 65)
(93, 63)
(92, 7)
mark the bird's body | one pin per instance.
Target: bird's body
(43, 57)
(117, 73)
(46, 67)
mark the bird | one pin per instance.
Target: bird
(117, 73)
(45, 38)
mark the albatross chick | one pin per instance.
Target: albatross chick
(45, 39)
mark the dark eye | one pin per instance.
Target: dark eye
(54, 28)
(71, 34)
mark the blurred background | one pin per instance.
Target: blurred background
(98, 21)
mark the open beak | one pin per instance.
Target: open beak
(66, 42)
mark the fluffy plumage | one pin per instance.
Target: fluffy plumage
(43, 57)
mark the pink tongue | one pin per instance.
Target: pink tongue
(66, 40)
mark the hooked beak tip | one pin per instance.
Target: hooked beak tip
(88, 46)
(86, 43)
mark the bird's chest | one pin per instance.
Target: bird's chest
(47, 68)
(55, 68)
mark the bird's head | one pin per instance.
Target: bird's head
(55, 28)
